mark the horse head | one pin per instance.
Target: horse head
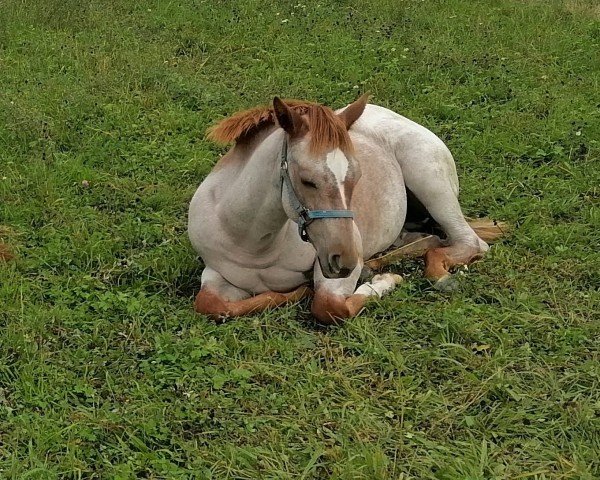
(319, 173)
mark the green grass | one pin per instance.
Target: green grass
(106, 372)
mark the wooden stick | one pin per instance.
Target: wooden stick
(411, 250)
(488, 230)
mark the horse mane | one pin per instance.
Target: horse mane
(327, 131)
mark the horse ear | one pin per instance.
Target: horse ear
(354, 110)
(287, 118)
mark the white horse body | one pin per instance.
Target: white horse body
(241, 226)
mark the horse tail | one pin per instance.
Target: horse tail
(489, 230)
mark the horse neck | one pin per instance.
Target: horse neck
(252, 211)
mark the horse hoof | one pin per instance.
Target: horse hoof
(448, 283)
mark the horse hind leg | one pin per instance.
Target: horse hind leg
(441, 254)
(462, 245)
(438, 261)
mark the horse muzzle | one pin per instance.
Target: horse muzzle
(338, 264)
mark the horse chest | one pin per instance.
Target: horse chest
(281, 276)
(281, 268)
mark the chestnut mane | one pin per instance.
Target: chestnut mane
(327, 131)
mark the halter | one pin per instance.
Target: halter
(305, 216)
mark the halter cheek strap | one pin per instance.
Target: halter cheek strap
(305, 216)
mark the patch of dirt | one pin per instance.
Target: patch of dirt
(583, 7)
(5, 250)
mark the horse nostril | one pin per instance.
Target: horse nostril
(344, 272)
(334, 263)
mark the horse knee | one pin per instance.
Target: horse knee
(209, 303)
(330, 309)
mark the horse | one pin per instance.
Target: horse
(310, 194)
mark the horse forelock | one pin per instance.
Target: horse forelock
(326, 130)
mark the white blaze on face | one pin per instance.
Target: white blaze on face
(338, 164)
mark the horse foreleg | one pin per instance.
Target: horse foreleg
(210, 303)
(331, 308)
(220, 299)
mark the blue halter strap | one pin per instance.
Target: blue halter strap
(305, 216)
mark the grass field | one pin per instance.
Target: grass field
(106, 372)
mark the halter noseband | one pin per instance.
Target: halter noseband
(305, 216)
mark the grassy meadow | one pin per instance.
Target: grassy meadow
(106, 372)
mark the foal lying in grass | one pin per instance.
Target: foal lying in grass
(311, 194)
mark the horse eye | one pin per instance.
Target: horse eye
(308, 184)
